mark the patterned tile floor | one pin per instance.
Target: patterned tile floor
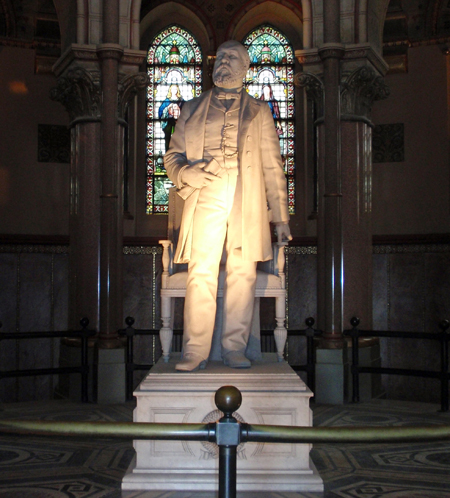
(37, 467)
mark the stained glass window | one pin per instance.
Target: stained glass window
(271, 78)
(174, 67)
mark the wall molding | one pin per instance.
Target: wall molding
(382, 244)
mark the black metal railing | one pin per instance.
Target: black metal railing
(443, 374)
(310, 367)
(130, 332)
(228, 433)
(82, 369)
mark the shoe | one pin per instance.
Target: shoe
(236, 359)
(190, 363)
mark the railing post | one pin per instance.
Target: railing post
(84, 322)
(228, 399)
(444, 325)
(129, 332)
(354, 322)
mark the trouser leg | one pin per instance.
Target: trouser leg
(239, 296)
(209, 231)
(239, 287)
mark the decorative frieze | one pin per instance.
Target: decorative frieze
(410, 248)
(148, 250)
(34, 249)
(302, 250)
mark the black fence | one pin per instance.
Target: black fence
(442, 337)
(130, 332)
(82, 369)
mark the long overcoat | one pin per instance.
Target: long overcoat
(264, 194)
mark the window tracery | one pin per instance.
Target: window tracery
(271, 78)
(174, 68)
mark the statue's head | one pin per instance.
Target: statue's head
(232, 63)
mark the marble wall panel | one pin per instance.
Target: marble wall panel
(138, 289)
(437, 290)
(380, 296)
(61, 292)
(8, 317)
(34, 297)
(142, 277)
(302, 301)
(36, 314)
(411, 291)
(302, 288)
(407, 291)
(415, 298)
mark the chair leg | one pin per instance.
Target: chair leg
(166, 332)
(280, 333)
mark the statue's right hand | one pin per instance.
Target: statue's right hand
(196, 176)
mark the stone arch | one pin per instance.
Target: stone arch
(67, 12)
(286, 16)
(8, 19)
(374, 22)
(177, 12)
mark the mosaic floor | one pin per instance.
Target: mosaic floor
(34, 467)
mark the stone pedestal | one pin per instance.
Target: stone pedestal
(272, 394)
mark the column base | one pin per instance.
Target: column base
(111, 372)
(331, 376)
(334, 381)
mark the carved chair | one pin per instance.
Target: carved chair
(270, 282)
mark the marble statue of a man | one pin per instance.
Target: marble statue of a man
(224, 158)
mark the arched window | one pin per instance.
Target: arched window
(271, 78)
(174, 67)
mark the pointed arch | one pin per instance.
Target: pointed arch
(286, 16)
(174, 65)
(271, 78)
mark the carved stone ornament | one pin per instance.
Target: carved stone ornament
(128, 87)
(314, 89)
(79, 91)
(360, 89)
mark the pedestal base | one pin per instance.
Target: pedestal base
(272, 394)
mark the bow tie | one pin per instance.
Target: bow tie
(228, 96)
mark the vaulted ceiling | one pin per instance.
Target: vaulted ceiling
(407, 21)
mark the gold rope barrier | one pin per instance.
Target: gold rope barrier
(249, 433)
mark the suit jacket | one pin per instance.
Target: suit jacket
(264, 193)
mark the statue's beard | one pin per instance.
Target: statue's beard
(223, 77)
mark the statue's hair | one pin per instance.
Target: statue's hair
(242, 50)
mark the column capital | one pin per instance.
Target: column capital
(314, 89)
(128, 87)
(79, 91)
(359, 89)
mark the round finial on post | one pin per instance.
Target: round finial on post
(84, 322)
(444, 325)
(310, 322)
(129, 320)
(228, 399)
(354, 322)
